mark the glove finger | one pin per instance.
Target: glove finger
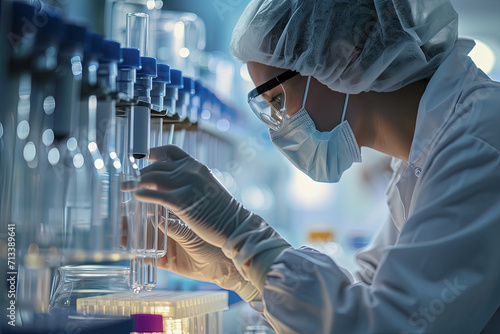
(152, 196)
(128, 186)
(164, 180)
(170, 199)
(180, 232)
(180, 168)
(167, 152)
(159, 181)
(162, 217)
(163, 166)
(169, 261)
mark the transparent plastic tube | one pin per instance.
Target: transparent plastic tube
(106, 143)
(138, 32)
(148, 233)
(131, 209)
(161, 212)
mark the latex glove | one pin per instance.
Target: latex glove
(189, 188)
(188, 255)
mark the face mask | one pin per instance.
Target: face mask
(324, 156)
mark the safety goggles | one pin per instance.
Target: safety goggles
(268, 100)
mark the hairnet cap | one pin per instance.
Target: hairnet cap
(349, 45)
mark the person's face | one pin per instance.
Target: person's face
(322, 103)
(294, 87)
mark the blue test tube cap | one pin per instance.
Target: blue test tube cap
(74, 35)
(148, 67)
(176, 79)
(93, 44)
(20, 13)
(217, 104)
(163, 73)
(131, 58)
(205, 96)
(223, 109)
(111, 51)
(188, 86)
(213, 98)
(205, 92)
(198, 87)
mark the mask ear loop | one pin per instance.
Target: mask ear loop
(306, 92)
(345, 107)
(285, 115)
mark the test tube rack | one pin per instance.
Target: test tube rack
(183, 312)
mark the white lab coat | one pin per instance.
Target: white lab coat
(435, 266)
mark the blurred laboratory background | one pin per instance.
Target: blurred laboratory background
(87, 88)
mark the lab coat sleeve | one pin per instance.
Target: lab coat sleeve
(368, 258)
(441, 276)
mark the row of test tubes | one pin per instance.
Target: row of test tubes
(78, 119)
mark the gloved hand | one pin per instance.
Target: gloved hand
(188, 255)
(189, 188)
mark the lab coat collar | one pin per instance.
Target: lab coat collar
(436, 105)
(440, 98)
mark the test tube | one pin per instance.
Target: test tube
(106, 142)
(68, 79)
(130, 212)
(184, 101)
(157, 95)
(196, 102)
(138, 32)
(170, 103)
(141, 118)
(214, 143)
(183, 104)
(106, 101)
(205, 115)
(159, 89)
(191, 140)
(148, 233)
(172, 92)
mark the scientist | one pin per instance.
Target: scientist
(333, 76)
